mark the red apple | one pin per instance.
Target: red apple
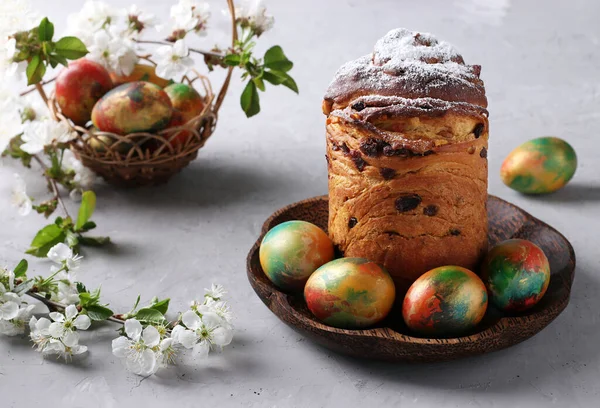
(79, 87)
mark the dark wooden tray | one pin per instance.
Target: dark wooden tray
(392, 340)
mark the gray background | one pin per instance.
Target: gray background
(541, 67)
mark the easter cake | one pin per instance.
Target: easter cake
(407, 139)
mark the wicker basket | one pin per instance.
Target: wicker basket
(141, 159)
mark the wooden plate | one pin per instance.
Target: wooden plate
(392, 340)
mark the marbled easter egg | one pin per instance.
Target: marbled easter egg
(105, 143)
(445, 301)
(539, 166)
(516, 273)
(187, 105)
(350, 293)
(140, 72)
(186, 100)
(179, 138)
(290, 252)
(133, 107)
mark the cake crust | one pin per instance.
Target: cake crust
(407, 139)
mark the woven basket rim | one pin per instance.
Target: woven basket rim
(200, 128)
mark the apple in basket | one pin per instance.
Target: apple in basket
(79, 87)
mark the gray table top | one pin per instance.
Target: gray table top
(541, 68)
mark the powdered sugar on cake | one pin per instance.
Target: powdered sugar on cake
(401, 48)
(411, 65)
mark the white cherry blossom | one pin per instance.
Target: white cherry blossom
(139, 20)
(253, 14)
(67, 293)
(215, 292)
(112, 50)
(141, 349)
(173, 61)
(201, 333)
(19, 197)
(9, 305)
(15, 16)
(8, 276)
(219, 307)
(14, 312)
(39, 332)
(8, 67)
(17, 324)
(32, 107)
(38, 134)
(190, 15)
(66, 347)
(84, 178)
(9, 117)
(94, 16)
(68, 323)
(62, 255)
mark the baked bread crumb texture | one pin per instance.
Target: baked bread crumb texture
(407, 139)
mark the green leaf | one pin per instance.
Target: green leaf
(71, 239)
(274, 77)
(80, 287)
(250, 100)
(233, 60)
(90, 225)
(56, 59)
(260, 84)
(276, 59)
(137, 302)
(88, 205)
(162, 306)
(45, 239)
(21, 269)
(149, 315)
(98, 313)
(289, 82)
(35, 70)
(85, 299)
(94, 241)
(46, 30)
(70, 47)
(95, 295)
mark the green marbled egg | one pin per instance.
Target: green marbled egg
(517, 274)
(446, 301)
(291, 251)
(350, 293)
(539, 166)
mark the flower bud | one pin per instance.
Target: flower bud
(28, 114)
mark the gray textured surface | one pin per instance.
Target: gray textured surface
(541, 66)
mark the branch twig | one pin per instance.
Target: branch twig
(196, 50)
(34, 88)
(59, 306)
(40, 89)
(234, 37)
(52, 184)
